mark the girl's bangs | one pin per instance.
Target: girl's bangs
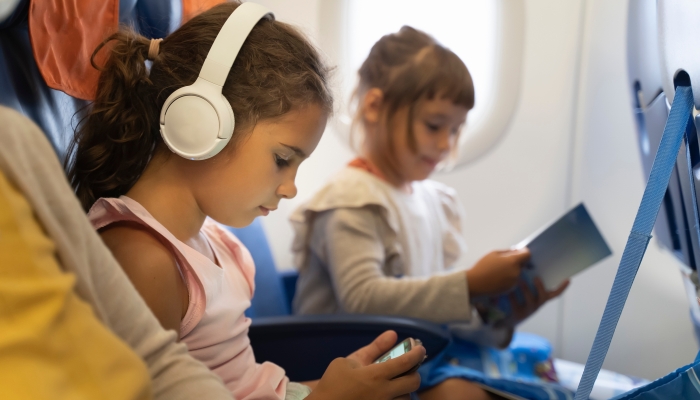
(448, 78)
(440, 73)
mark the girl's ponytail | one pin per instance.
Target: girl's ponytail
(120, 131)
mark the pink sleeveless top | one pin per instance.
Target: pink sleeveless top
(214, 327)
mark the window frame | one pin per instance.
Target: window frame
(479, 137)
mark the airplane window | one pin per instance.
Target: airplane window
(467, 27)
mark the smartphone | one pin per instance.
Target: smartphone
(399, 350)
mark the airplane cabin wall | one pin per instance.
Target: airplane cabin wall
(571, 139)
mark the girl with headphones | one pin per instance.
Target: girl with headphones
(191, 138)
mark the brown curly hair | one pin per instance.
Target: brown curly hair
(277, 69)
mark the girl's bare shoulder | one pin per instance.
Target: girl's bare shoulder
(138, 248)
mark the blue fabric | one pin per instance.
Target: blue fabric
(269, 299)
(518, 369)
(674, 132)
(151, 18)
(493, 310)
(682, 383)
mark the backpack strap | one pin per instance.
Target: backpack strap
(679, 121)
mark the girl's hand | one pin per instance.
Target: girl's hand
(533, 300)
(497, 272)
(355, 377)
(383, 343)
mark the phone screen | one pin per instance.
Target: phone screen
(401, 349)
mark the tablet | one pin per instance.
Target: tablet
(565, 247)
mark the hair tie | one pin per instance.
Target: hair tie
(154, 49)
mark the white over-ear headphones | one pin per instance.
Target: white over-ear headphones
(197, 121)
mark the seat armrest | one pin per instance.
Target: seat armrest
(305, 345)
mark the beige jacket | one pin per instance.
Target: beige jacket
(362, 246)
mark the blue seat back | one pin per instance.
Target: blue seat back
(270, 299)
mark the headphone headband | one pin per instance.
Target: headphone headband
(197, 121)
(229, 41)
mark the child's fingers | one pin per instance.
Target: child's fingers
(405, 384)
(520, 256)
(397, 366)
(372, 351)
(559, 290)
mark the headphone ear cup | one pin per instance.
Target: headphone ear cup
(197, 121)
(226, 126)
(227, 122)
(190, 127)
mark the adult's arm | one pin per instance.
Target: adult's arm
(29, 162)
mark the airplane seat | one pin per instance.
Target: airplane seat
(284, 339)
(650, 56)
(272, 297)
(302, 345)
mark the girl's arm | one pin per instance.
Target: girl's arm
(152, 269)
(353, 243)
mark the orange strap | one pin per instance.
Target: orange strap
(64, 33)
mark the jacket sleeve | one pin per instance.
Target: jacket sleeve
(356, 256)
(29, 162)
